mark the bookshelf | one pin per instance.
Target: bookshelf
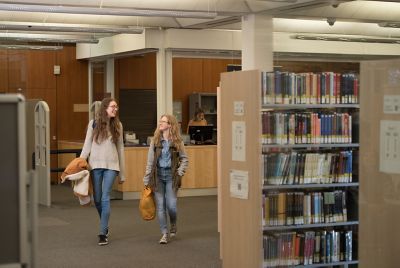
(319, 203)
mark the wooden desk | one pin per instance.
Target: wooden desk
(200, 177)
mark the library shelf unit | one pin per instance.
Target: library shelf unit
(329, 168)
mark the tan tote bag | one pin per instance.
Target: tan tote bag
(147, 205)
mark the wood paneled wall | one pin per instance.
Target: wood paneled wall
(72, 88)
(98, 76)
(196, 75)
(16, 72)
(30, 72)
(3, 71)
(189, 75)
(137, 72)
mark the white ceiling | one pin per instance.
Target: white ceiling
(301, 16)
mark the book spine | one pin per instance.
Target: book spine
(349, 245)
(317, 248)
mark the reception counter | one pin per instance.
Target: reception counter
(200, 177)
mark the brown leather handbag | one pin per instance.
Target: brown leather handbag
(147, 205)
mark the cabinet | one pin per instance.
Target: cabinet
(300, 143)
(208, 103)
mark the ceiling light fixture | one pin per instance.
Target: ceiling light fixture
(46, 38)
(30, 47)
(59, 27)
(19, 7)
(346, 39)
(390, 24)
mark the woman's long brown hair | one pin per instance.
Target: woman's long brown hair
(100, 132)
(174, 132)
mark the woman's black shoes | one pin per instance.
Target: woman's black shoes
(103, 240)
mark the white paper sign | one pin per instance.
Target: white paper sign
(391, 104)
(238, 141)
(389, 158)
(239, 184)
(238, 108)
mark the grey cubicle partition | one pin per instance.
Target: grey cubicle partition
(14, 249)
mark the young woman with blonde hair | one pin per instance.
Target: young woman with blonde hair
(166, 164)
(105, 149)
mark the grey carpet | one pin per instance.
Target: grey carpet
(68, 235)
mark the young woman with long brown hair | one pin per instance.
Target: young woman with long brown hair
(105, 148)
(166, 164)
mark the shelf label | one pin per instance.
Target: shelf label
(239, 184)
(389, 157)
(238, 141)
(391, 104)
(238, 108)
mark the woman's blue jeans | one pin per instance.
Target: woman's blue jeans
(166, 199)
(103, 180)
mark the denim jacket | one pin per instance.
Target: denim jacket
(179, 164)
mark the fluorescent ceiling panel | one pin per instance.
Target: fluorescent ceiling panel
(391, 24)
(59, 27)
(344, 38)
(46, 38)
(106, 11)
(30, 47)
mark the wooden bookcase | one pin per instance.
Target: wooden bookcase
(242, 228)
(241, 224)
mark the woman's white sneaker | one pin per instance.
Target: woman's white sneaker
(164, 239)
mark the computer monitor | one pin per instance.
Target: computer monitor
(201, 134)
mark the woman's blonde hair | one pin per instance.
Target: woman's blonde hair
(100, 132)
(174, 132)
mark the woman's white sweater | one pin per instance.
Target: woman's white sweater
(106, 154)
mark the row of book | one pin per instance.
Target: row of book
(298, 208)
(309, 88)
(294, 127)
(306, 248)
(299, 167)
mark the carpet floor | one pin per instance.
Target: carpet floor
(68, 235)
